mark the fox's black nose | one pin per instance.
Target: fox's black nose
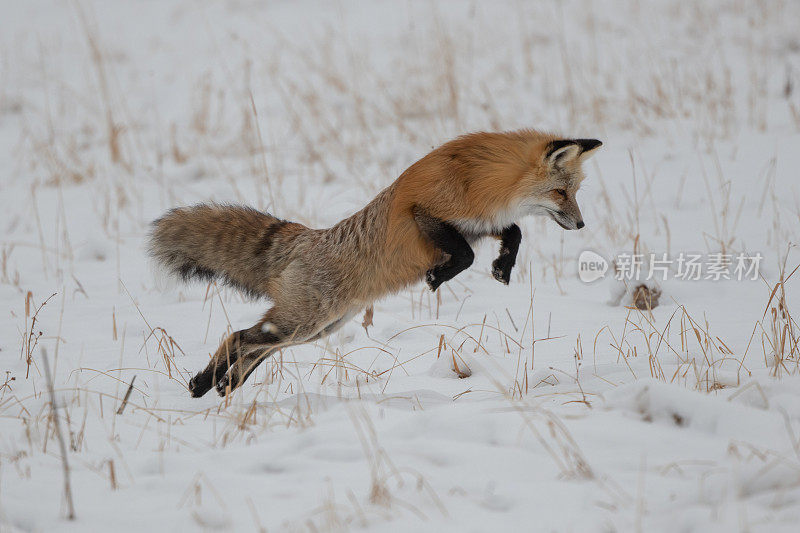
(580, 224)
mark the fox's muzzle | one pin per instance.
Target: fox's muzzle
(566, 221)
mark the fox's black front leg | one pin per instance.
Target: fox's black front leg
(448, 239)
(509, 246)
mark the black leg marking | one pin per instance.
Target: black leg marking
(224, 357)
(234, 347)
(201, 384)
(240, 371)
(509, 246)
(251, 351)
(447, 238)
(261, 344)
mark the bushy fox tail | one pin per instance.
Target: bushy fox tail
(235, 244)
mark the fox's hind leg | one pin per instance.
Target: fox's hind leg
(248, 362)
(509, 246)
(232, 348)
(447, 238)
(241, 370)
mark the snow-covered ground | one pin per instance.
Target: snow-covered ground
(579, 413)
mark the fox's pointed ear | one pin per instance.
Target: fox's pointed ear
(561, 151)
(588, 147)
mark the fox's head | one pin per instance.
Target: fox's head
(558, 179)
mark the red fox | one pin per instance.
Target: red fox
(421, 226)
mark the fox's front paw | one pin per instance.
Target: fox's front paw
(501, 271)
(432, 280)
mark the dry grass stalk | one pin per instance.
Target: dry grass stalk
(127, 397)
(114, 129)
(62, 445)
(462, 371)
(780, 332)
(31, 337)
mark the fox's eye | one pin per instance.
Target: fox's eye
(561, 192)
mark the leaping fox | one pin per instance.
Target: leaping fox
(421, 226)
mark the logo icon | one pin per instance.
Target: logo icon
(591, 266)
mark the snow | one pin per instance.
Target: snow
(546, 405)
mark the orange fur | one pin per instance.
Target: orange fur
(475, 177)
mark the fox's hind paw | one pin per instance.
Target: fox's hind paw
(199, 385)
(223, 386)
